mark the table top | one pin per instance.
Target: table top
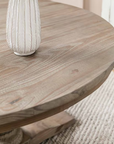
(75, 57)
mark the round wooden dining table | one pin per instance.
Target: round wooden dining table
(75, 57)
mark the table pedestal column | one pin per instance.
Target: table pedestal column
(38, 132)
(12, 137)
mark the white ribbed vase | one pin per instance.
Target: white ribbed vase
(23, 26)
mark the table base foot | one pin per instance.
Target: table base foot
(38, 132)
(12, 137)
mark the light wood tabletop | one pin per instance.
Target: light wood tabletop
(75, 57)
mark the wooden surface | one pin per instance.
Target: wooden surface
(37, 132)
(75, 57)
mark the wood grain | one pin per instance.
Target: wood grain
(75, 57)
(38, 132)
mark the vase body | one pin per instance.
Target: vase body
(23, 26)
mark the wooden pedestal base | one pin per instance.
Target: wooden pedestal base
(38, 132)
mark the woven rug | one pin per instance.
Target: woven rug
(94, 119)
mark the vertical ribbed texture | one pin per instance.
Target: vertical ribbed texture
(23, 26)
(94, 119)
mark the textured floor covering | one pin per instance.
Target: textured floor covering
(94, 119)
